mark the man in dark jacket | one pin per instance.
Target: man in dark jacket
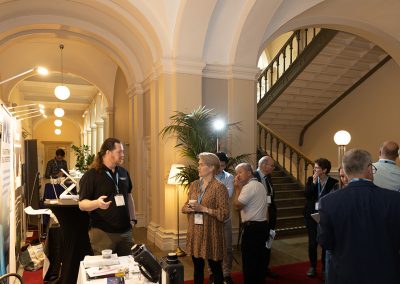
(360, 225)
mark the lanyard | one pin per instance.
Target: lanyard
(320, 190)
(203, 191)
(115, 183)
(387, 162)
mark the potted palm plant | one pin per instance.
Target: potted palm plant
(195, 135)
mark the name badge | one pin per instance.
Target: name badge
(269, 199)
(316, 206)
(119, 200)
(198, 218)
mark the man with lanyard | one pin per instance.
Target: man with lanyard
(54, 166)
(317, 186)
(388, 173)
(250, 198)
(105, 192)
(266, 166)
(227, 180)
(360, 226)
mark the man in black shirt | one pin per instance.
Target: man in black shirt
(105, 191)
(54, 166)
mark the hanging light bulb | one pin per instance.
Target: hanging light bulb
(62, 92)
(59, 112)
(58, 122)
(57, 131)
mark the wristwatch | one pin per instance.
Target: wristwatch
(133, 222)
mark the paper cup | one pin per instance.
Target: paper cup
(106, 253)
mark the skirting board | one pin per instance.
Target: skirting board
(167, 240)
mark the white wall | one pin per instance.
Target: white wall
(371, 114)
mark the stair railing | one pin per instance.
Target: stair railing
(291, 50)
(291, 160)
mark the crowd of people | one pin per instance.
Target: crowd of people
(358, 224)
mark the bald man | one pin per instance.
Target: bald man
(388, 173)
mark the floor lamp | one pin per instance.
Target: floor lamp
(173, 179)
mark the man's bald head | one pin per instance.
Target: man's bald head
(389, 150)
(266, 165)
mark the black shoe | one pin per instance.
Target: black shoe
(311, 272)
(211, 279)
(272, 275)
(228, 280)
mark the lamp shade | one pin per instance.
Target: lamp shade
(342, 138)
(59, 112)
(62, 92)
(218, 124)
(58, 122)
(175, 170)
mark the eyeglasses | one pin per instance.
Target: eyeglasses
(374, 169)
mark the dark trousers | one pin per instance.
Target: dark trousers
(312, 230)
(215, 266)
(254, 252)
(272, 225)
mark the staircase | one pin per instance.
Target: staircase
(289, 199)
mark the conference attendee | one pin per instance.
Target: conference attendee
(318, 185)
(226, 179)
(54, 166)
(388, 173)
(207, 208)
(360, 225)
(250, 198)
(266, 166)
(105, 192)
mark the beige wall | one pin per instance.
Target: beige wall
(121, 108)
(44, 131)
(371, 114)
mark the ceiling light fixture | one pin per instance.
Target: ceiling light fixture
(59, 112)
(58, 122)
(57, 131)
(39, 69)
(62, 92)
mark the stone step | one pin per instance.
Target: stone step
(289, 202)
(291, 232)
(289, 193)
(282, 179)
(277, 173)
(290, 221)
(290, 211)
(286, 186)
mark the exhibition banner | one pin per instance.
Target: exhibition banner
(6, 144)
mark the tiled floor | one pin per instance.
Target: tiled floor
(284, 251)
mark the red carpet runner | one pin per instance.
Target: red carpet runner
(288, 274)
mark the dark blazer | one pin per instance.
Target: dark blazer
(311, 194)
(360, 224)
(272, 207)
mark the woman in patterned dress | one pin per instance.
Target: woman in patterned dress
(207, 208)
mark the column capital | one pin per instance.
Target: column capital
(93, 127)
(218, 71)
(99, 123)
(109, 110)
(178, 65)
(134, 89)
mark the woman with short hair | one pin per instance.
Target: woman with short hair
(207, 209)
(318, 185)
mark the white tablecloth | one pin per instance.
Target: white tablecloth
(127, 261)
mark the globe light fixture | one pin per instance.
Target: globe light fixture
(57, 131)
(218, 126)
(341, 138)
(58, 122)
(62, 92)
(59, 112)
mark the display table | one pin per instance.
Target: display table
(74, 225)
(134, 276)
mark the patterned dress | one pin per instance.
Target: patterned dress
(207, 241)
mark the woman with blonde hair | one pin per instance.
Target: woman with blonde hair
(207, 209)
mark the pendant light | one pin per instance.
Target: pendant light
(62, 92)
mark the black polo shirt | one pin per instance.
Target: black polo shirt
(95, 183)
